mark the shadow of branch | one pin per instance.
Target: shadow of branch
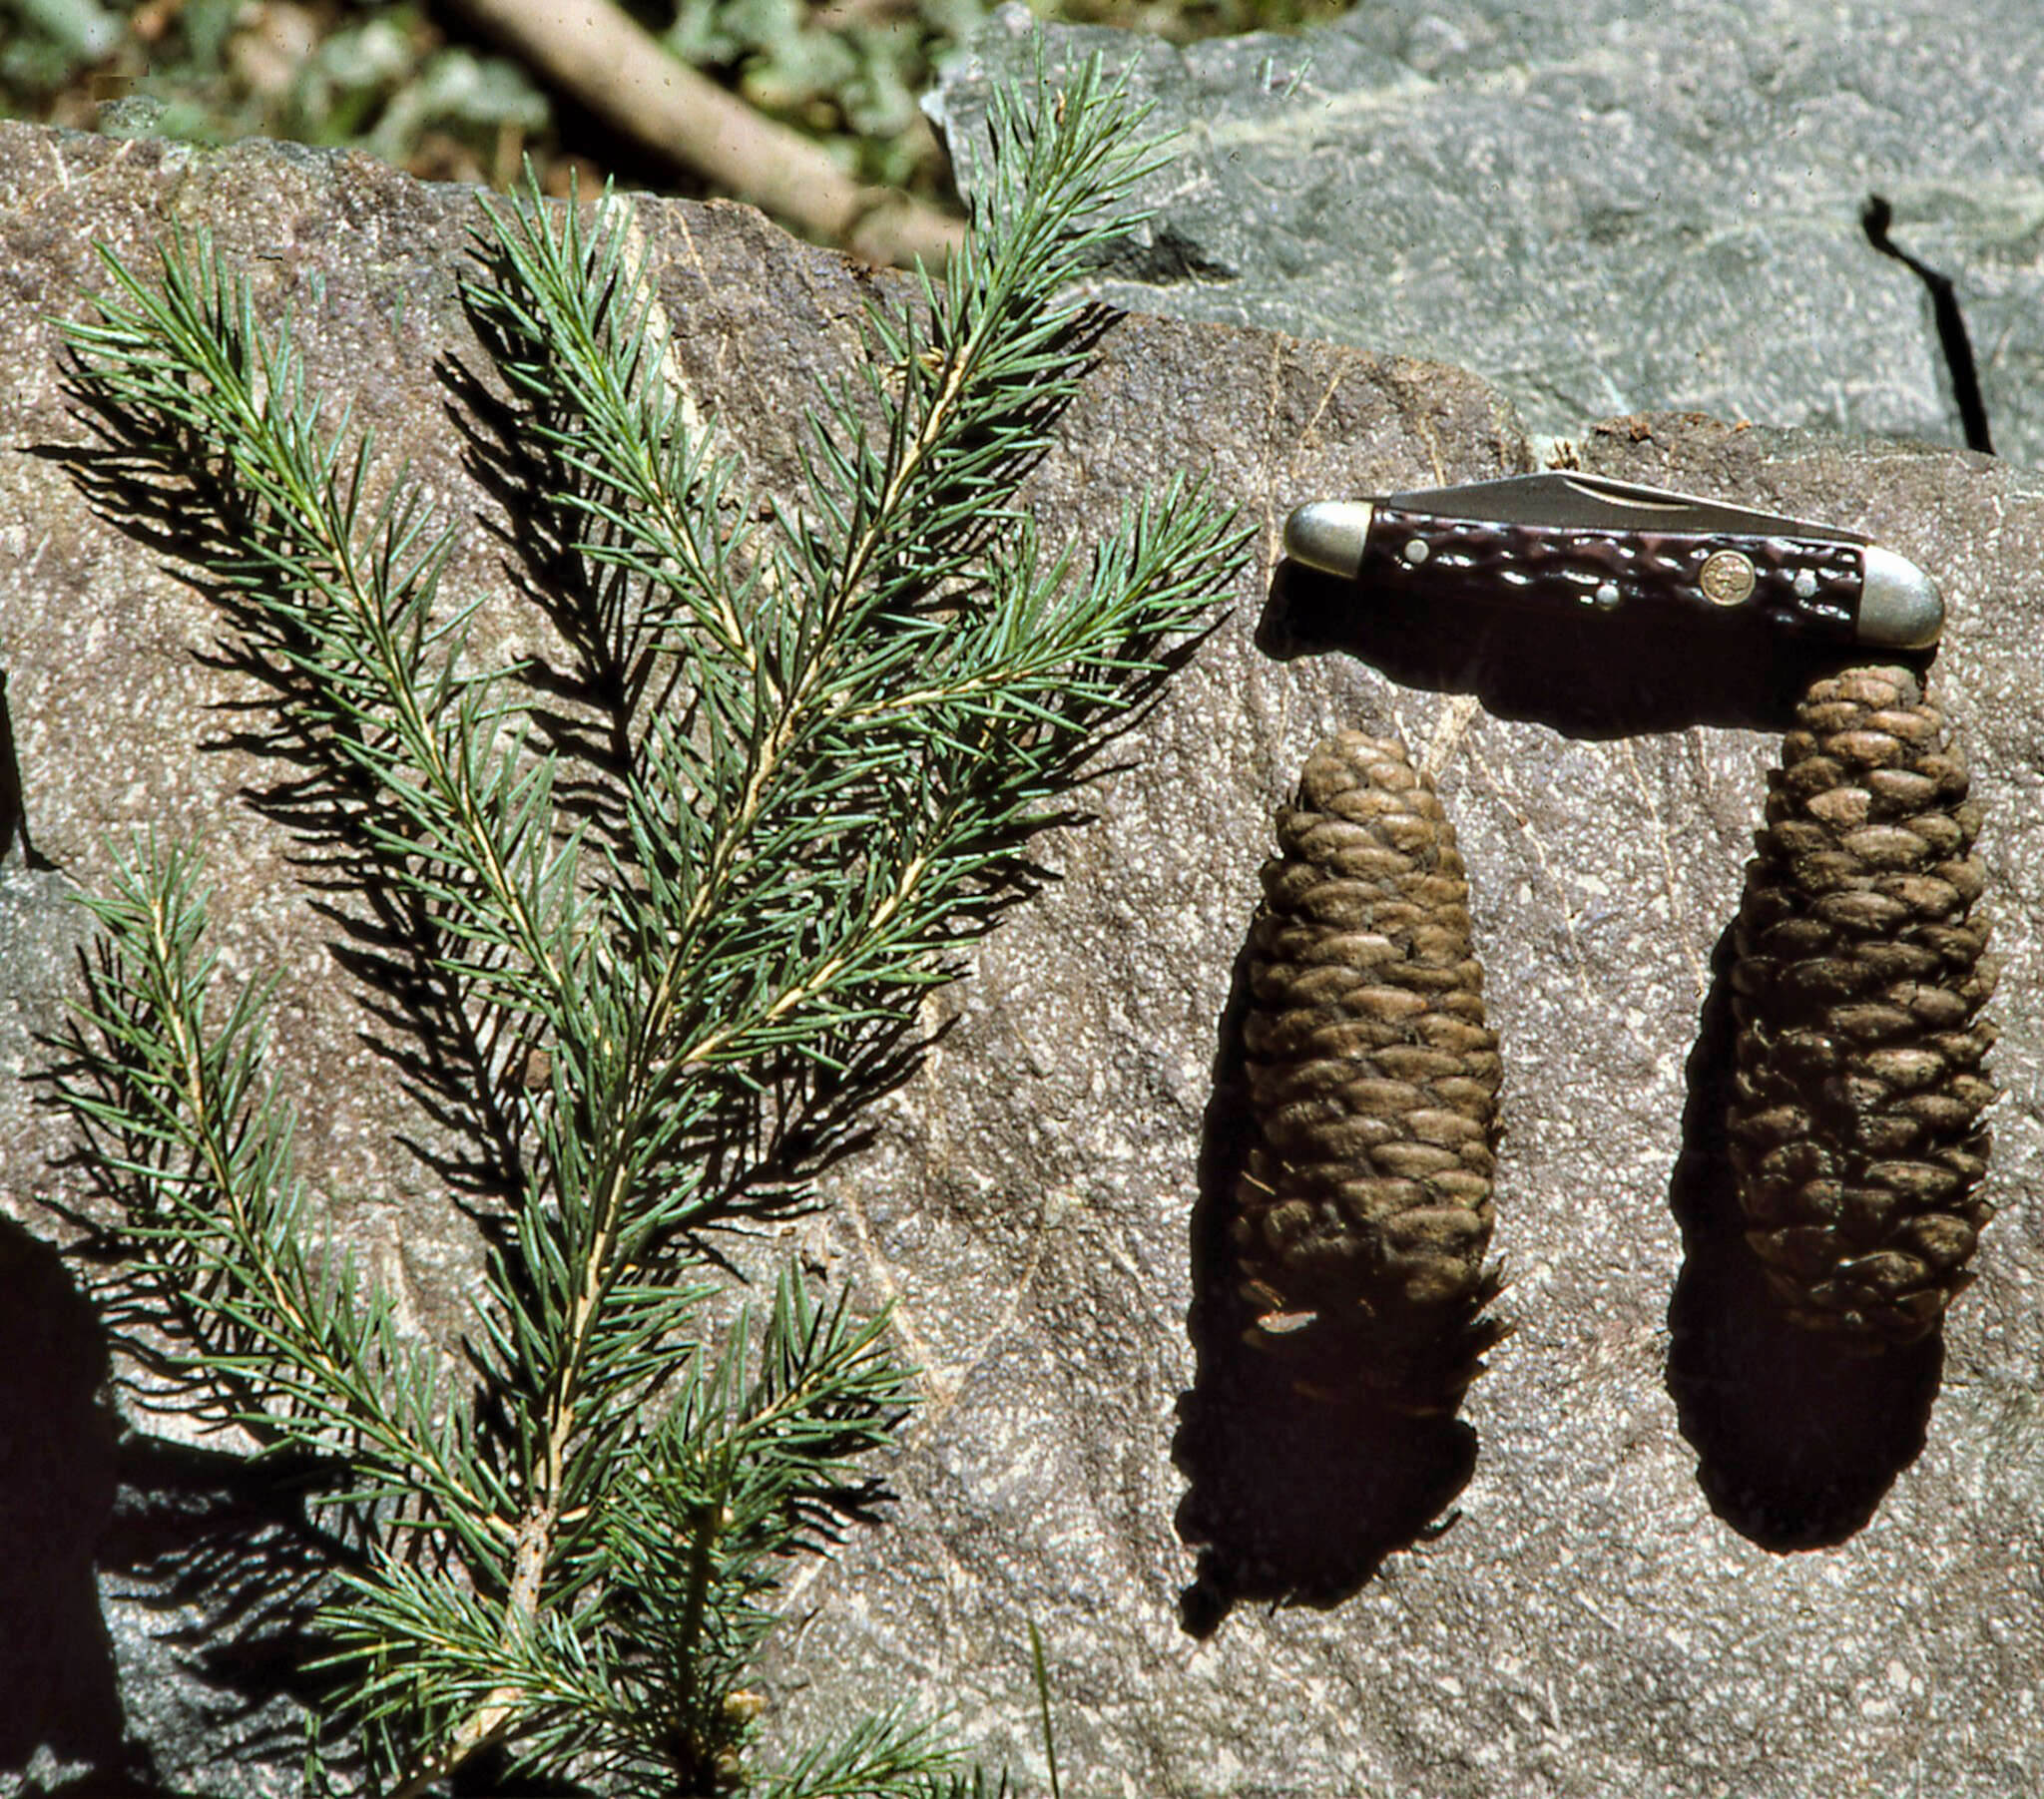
(58, 1693)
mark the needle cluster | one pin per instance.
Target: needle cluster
(661, 950)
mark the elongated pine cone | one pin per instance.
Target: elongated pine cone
(1363, 1210)
(1856, 1122)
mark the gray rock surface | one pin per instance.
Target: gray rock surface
(1604, 207)
(1683, 1555)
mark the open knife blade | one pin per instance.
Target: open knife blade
(1572, 540)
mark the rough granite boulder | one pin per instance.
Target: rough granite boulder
(1606, 207)
(1668, 1549)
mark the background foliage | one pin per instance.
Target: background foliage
(403, 83)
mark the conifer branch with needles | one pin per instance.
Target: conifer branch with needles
(832, 723)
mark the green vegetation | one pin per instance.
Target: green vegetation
(379, 78)
(390, 79)
(653, 963)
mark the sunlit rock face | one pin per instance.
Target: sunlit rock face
(1606, 206)
(1667, 1544)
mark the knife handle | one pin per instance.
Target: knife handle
(1810, 588)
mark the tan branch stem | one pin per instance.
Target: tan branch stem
(613, 65)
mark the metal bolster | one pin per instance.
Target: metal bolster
(1900, 607)
(1329, 534)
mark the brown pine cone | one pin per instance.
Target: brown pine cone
(1858, 989)
(1364, 1207)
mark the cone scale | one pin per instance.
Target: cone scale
(1857, 984)
(1364, 1210)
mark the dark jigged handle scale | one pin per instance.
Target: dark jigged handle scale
(1813, 589)
(1363, 1211)
(1579, 542)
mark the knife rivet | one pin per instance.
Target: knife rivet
(1606, 595)
(1726, 578)
(1415, 552)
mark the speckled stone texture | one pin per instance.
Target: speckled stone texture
(1668, 1549)
(1604, 206)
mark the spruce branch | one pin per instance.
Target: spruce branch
(283, 1337)
(832, 722)
(341, 592)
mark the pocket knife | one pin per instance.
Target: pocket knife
(1571, 540)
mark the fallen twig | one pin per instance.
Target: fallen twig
(594, 51)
